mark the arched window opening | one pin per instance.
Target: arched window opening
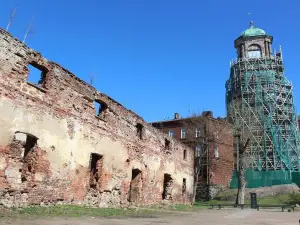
(184, 154)
(254, 51)
(139, 129)
(100, 107)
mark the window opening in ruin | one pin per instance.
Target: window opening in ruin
(100, 108)
(167, 188)
(28, 142)
(184, 154)
(31, 141)
(135, 185)
(139, 129)
(184, 186)
(167, 144)
(96, 164)
(37, 74)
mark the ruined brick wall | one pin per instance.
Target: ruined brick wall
(54, 147)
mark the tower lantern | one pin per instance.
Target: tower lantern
(253, 43)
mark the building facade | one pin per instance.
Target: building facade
(260, 105)
(212, 142)
(64, 141)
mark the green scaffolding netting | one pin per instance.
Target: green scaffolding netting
(257, 179)
(260, 105)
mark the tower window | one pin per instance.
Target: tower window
(254, 51)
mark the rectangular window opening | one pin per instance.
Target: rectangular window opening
(198, 151)
(216, 135)
(184, 154)
(184, 186)
(217, 153)
(171, 133)
(37, 74)
(96, 164)
(31, 141)
(100, 108)
(139, 128)
(183, 133)
(167, 188)
(28, 142)
(135, 185)
(254, 54)
(198, 132)
(167, 144)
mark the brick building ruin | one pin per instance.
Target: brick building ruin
(212, 140)
(55, 147)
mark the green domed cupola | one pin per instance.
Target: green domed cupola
(253, 31)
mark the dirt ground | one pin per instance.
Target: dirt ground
(203, 217)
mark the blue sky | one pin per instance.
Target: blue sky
(155, 57)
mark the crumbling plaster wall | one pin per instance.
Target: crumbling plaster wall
(61, 114)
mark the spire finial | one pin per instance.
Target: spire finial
(251, 24)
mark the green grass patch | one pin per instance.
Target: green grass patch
(150, 211)
(72, 211)
(294, 198)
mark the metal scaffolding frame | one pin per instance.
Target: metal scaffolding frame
(259, 101)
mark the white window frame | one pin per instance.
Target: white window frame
(216, 134)
(171, 133)
(198, 132)
(183, 131)
(217, 152)
(198, 151)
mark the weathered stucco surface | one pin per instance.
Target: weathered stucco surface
(50, 130)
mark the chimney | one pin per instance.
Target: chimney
(207, 114)
(176, 116)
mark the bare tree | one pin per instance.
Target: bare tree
(11, 18)
(199, 142)
(91, 79)
(29, 29)
(202, 134)
(242, 141)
